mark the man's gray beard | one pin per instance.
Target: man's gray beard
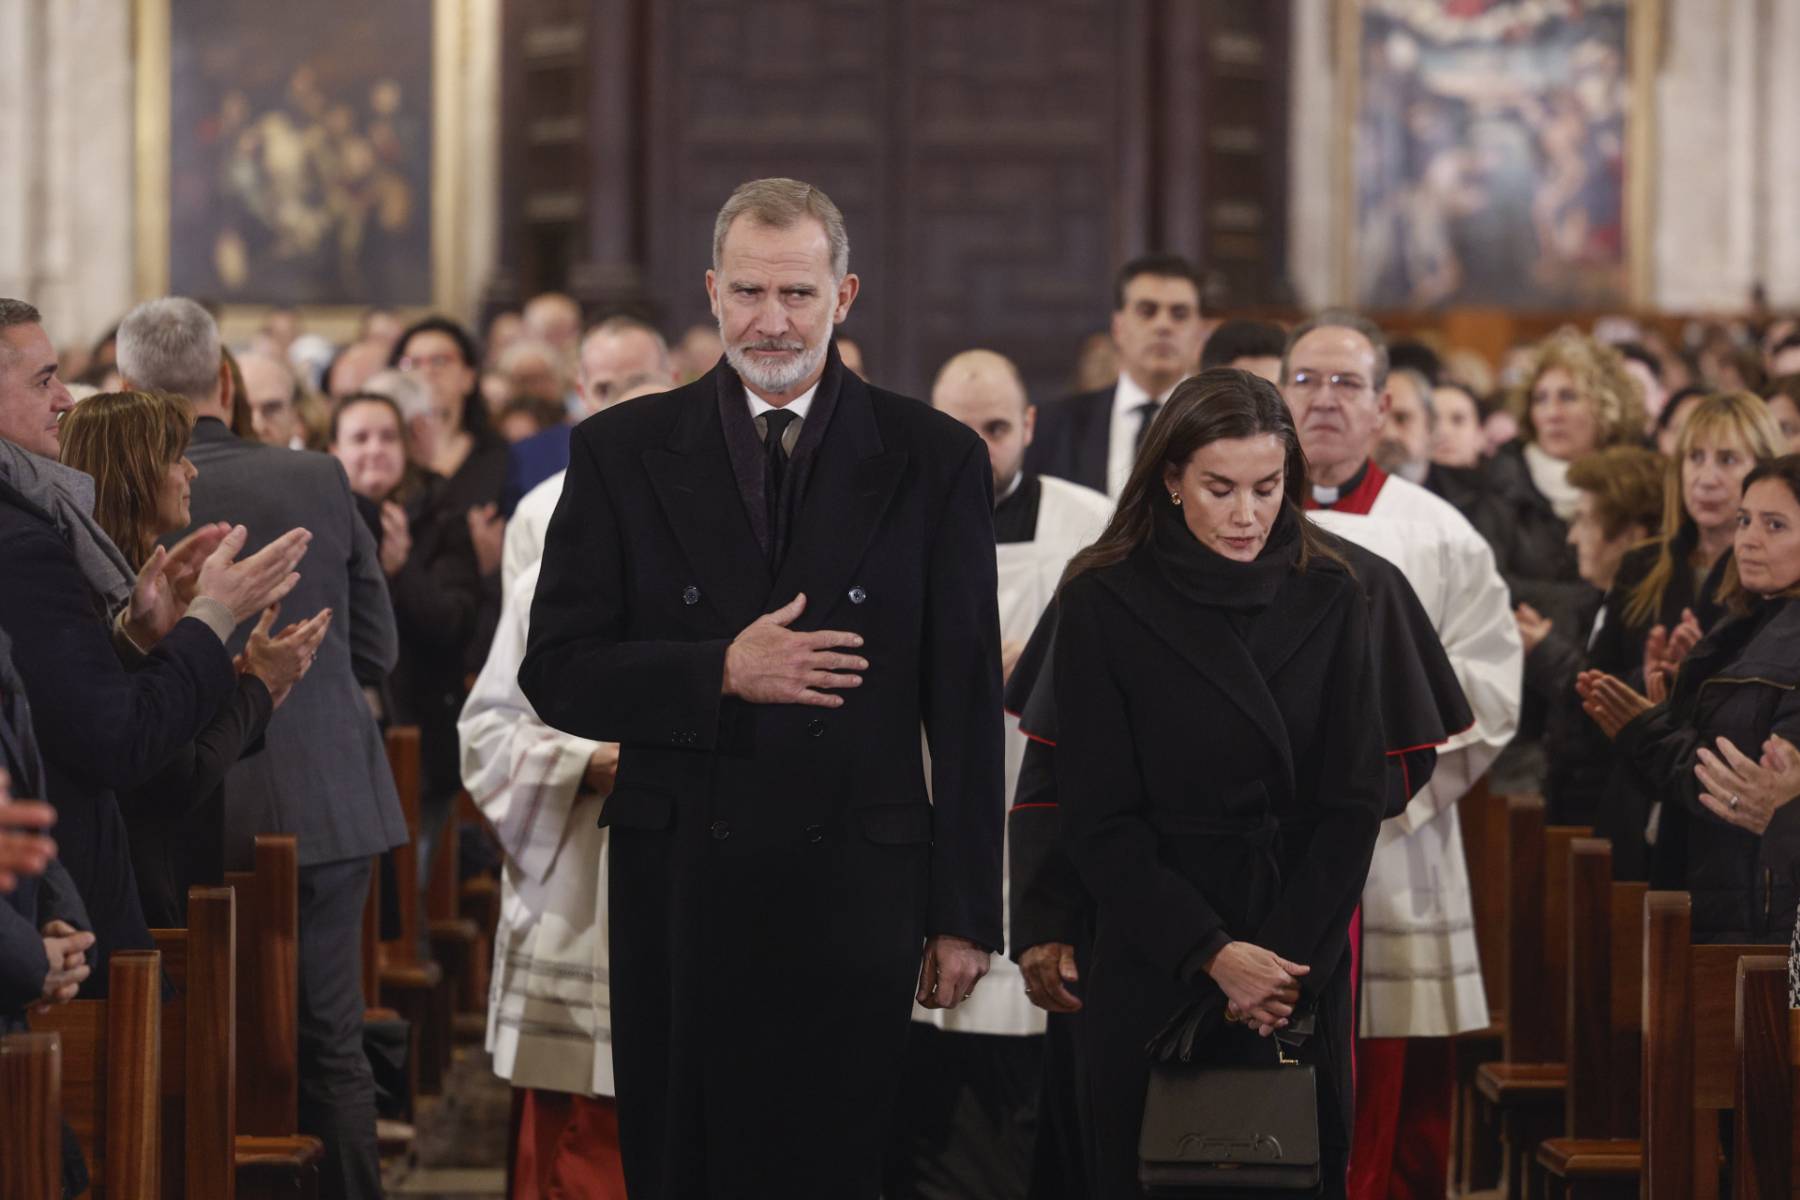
(776, 380)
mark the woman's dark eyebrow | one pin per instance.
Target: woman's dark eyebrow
(1271, 477)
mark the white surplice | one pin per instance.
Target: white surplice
(1421, 975)
(549, 1002)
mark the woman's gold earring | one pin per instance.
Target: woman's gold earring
(1175, 499)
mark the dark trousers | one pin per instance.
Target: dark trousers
(967, 1117)
(337, 1089)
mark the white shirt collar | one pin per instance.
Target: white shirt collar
(1122, 440)
(798, 405)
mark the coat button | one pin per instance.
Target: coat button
(720, 830)
(857, 595)
(815, 834)
(691, 595)
(816, 727)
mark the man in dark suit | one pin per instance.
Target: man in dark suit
(323, 775)
(763, 585)
(1091, 438)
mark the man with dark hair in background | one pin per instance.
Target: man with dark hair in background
(1092, 438)
(1253, 346)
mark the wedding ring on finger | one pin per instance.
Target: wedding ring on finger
(1733, 802)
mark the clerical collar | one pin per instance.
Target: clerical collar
(1356, 494)
(1017, 479)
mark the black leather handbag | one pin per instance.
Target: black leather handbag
(1240, 1127)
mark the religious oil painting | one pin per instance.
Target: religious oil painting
(300, 151)
(1491, 153)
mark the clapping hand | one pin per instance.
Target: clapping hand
(396, 538)
(1744, 793)
(1611, 703)
(487, 530)
(1534, 626)
(283, 660)
(166, 584)
(248, 587)
(25, 847)
(1664, 650)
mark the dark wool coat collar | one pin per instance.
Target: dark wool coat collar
(1242, 668)
(850, 479)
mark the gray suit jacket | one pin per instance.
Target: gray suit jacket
(323, 773)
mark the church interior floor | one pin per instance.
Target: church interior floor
(460, 1149)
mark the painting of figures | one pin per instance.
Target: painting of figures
(300, 151)
(1489, 153)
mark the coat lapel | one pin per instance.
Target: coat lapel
(698, 492)
(1093, 443)
(1207, 642)
(852, 482)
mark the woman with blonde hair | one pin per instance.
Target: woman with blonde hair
(134, 445)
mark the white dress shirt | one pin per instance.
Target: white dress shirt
(799, 406)
(1121, 443)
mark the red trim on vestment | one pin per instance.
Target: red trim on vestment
(1034, 737)
(1361, 500)
(1035, 804)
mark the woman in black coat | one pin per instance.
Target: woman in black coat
(134, 445)
(1739, 688)
(1220, 767)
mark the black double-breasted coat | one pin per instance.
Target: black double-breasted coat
(1212, 786)
(775, 868)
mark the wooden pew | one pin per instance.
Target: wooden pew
(1605, 1032)
(1524, 1091)
(1765, 1129)
(412, 986)
(457, 945)
(273, 1158)
(1475, 1159)
(110, 1070)
(31, 1116)
(1688, 1066)
(200, 1049)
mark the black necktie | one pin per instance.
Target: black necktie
(1146, 413)
(775, 462)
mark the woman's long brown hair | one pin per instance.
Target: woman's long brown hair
(1216, 405)
(127, 441)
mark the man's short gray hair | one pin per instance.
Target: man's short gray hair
(781, 204)
(170, 345)
(1341, 318)
(406, 390)
(14, 313)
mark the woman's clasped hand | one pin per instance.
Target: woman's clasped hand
(1261, 987)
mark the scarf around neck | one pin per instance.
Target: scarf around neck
(1207, 577)
(67, 496)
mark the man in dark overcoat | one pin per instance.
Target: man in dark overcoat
(764, 585)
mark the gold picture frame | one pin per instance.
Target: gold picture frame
(1645, 40)
(451, 286)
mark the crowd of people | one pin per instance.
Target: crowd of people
(1205, 654)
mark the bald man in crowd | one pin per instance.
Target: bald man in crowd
(273, 395)
(555, 318)
(618, 354)
(980, 1063)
